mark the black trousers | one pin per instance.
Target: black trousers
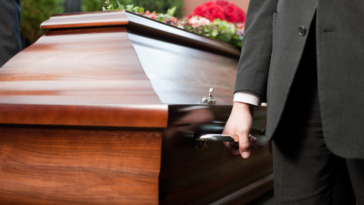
(305, 170)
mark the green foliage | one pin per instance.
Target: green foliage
(34, 12)
(96, 5)
(131, 8)
(172, 11)
(160, 6)
(218, 29)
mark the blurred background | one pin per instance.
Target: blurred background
(34, 12)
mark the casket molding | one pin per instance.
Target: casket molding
(85, 19)
(140, 24)
(148, 116)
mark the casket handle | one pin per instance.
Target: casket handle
(232, 138)
(212, 132)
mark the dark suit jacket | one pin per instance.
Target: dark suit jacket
(272, 49)
(10, 41)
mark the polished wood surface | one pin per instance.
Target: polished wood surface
(65, 165)
(147, 116)
(183, 75)
(95, 70)
(194, 176)
(144, 24)
(69, 102)
(155, 29)
(89, 19)
(77, 66)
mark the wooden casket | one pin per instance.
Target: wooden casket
(104, 109)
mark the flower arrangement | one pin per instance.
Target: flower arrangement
(220, 9)
(217, 28)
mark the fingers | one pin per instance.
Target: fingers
(244, 145)
(239, 123)
(252, 141)
(233, 150)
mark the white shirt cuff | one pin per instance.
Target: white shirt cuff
(247, 97)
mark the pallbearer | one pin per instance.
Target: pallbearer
(305, 59)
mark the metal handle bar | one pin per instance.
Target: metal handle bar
(232, 138)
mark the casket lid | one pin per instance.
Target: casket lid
(93, 69)
(133, 20)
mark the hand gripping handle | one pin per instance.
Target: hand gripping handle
(232, 138)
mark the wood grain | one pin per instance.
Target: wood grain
(89, 19)
(144, 24)
(147, 116)
(68, 104)
(82, 66)
(79, 77)
(52, 165)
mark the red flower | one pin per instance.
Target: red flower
(220, 9)
(223, 3)
(231, 18)
(152, 16)
(230, 9)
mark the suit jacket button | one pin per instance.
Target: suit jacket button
(301, 30)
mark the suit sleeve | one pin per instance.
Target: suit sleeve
(253, 68)
(10, 43)
(247, 97)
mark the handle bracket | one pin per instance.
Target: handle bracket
(210, 99)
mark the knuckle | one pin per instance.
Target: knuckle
(244, 146)
(244, 130)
